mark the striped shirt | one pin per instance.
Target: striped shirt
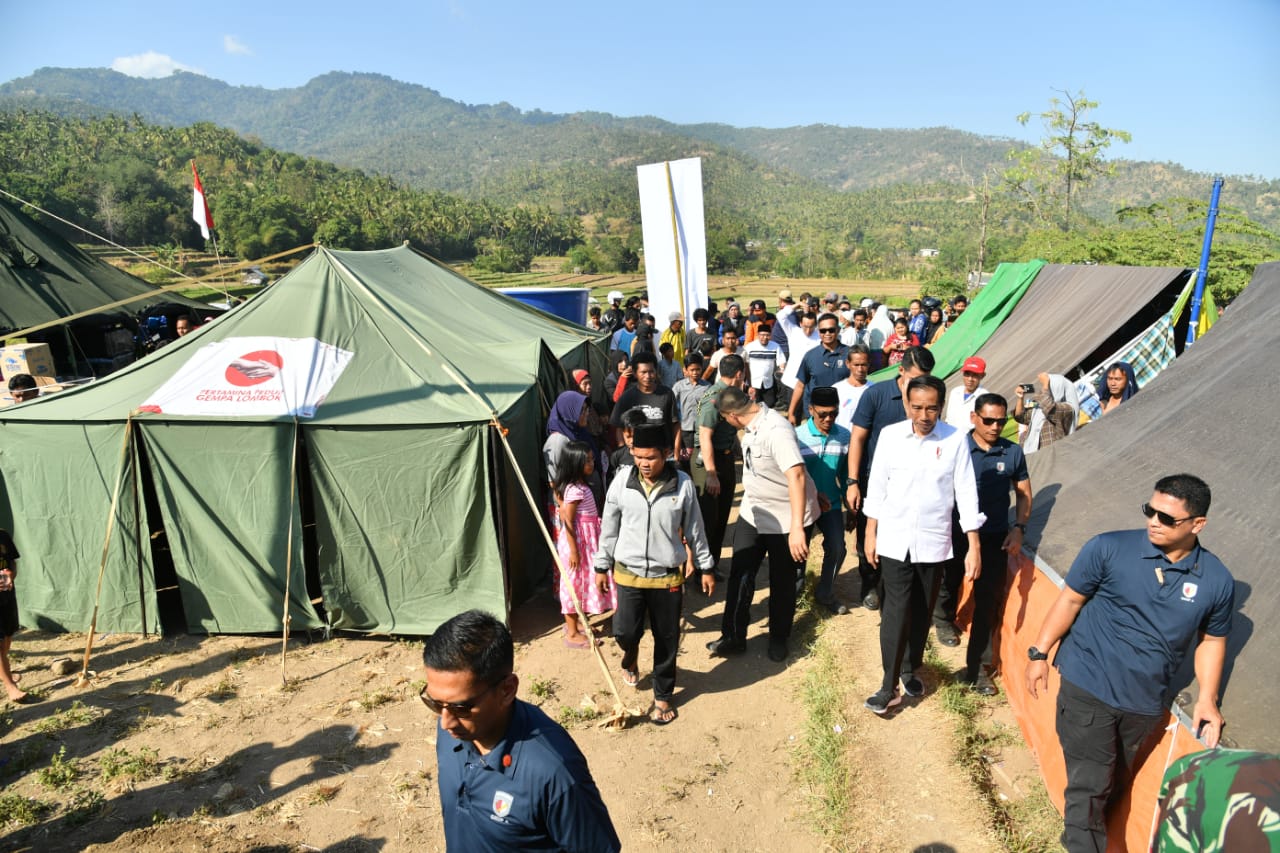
(826, 458)
(763, 362)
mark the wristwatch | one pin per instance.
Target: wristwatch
(1021, 527)
(1035, 654)
(851, 482)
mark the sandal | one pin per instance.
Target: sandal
(662, 716)
(631, 677)
(583, 643)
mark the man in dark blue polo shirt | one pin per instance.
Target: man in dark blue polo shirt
(510, 778)
(1136, 603)
(880, 405)
(999, 466)
(821, 367)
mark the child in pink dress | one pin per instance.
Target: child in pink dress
(579, 536)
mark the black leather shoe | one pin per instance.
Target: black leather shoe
(724, 647)
(777, 652)
(871, 600)
(984, 686)
(947, 634)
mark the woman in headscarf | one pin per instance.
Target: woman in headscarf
(1116, 385)
(934, 326)
(1050, 415)
(595, 424)
(568, 422)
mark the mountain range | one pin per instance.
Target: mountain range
(425, 140)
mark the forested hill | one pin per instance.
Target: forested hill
(425, 140)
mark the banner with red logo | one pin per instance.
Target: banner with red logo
(252, 377)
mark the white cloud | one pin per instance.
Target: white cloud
(231, 44)
(150, 65)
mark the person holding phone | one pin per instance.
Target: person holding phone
(1134, 605)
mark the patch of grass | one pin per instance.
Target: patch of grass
(823, 764)
(542, 689)
(84, 805)
(569, 716)
(322, 794)
(156, 685)
(76, 714)
(225, 689)
(15, 808)
(375, 699)
(60, 774)
(1028, 825)
(122, 766)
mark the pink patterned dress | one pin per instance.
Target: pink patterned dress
(587, 530)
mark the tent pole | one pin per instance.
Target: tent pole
(288, 559)
(83, 679)
(137, 540)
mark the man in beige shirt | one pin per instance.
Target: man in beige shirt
(778, 510)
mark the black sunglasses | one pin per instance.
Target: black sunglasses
(829, 330)
(1163, 517)
(823, 416)
(1000, 422)
(461, 710)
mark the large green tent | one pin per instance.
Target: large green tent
(402, 508)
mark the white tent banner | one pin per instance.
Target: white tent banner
(675, 238)
(252, 377)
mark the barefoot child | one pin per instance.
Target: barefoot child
(8, 614)
(579, 536)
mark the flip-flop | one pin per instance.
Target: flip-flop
(577, 644)
(29, 699)
(658, 716)
(631, 677)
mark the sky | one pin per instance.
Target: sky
(1195, 83)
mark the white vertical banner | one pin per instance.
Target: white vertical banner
(675, 237)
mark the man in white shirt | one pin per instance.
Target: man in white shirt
(764, 359)
(960, 406)
(850, 390)
(856, 332)
(920, 473)
(800, 328)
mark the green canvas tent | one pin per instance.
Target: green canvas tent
(44, 278)
(411, 509)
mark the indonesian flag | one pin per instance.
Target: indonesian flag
(200, 207)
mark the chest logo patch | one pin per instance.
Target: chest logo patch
(1189, 591)
(502, 803)
(999, 467)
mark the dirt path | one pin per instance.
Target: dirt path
(342, 760)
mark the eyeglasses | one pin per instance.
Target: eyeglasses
(828, 330)
(1164, 518)
(461, 710)
(823, 416)
(1000, 422)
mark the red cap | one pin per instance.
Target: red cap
(973, 364)
(579, 375)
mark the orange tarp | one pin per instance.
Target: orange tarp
(1031, 592)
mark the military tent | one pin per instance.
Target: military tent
(44, 278)
(339, 434)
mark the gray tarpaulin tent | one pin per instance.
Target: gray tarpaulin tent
(1073, 315)
(1212, 413)
(412, 510)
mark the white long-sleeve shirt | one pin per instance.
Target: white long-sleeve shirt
(798, 343)
(916, 482)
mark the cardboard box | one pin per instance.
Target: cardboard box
(35, 359)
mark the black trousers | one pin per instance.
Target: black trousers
(989, 592)
(662, 606)
(715, 508)
(1099, 743)
(909, 588)
(749, 550)
(768, 397)
(868, 574)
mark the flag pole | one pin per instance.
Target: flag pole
(675, 237)
(207, 224)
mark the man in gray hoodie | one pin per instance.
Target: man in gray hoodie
(650, 512)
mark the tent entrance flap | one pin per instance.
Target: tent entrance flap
(224, 497)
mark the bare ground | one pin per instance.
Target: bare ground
(341, 757)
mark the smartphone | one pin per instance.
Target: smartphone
(1028, 388)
